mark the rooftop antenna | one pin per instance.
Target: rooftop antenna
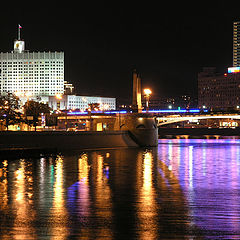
(19, 31)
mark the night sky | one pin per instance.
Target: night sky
(104, 42)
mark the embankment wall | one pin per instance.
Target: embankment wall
(65, 140)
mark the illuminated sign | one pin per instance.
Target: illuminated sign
(234, 70)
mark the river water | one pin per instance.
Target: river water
(183, 189)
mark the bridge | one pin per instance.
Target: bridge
(163, 117)
(170, 119)
(119, 120)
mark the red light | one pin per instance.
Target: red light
(225, 74)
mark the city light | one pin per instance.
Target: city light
(147, 93)
(28, 94)
(144, 111)
(234, 70)
(58, 96)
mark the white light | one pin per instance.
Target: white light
(147, 91)
(59, 96)
(28, 94)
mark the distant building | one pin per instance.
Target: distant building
(80, 102)
(68, 88)
(236, 44)
(218, 91)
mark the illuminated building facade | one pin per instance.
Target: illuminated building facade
(236, 44)
(81, 102)
(32, 73)
(218, 91)
(222, 91)
(40, 76)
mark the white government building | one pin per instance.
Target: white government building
(40, 75)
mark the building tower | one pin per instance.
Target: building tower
(137, 95)
(19, 45)
(236, 44)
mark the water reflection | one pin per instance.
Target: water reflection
(22, 201)
(209, 178)
(58, 215)
(182, 190)
(146, 209)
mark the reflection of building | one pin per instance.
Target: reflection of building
(218, 91)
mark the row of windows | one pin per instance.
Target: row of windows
(40, 76)
(30, 71)
(22, 62)
(33, 69)
(57, 85)
(31, 74)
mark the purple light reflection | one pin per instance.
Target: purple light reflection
(209, 174)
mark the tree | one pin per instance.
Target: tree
(9, 109)
(33, 111)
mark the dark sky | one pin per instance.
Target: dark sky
(103, 42)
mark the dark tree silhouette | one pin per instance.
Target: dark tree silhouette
(33, 110)
(9, 110)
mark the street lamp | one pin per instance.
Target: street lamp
(147, 93)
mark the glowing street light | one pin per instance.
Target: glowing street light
(58, 96)
(147, 93)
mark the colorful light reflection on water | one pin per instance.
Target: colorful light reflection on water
(209, 174)
(184, 189)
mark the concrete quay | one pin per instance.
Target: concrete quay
(12, 140)
(135, 132)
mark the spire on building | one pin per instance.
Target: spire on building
(19, 45)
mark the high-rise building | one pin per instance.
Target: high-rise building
(222, 91)
(218, 91)
(236, 44)
(40, 76)
(31, 73)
